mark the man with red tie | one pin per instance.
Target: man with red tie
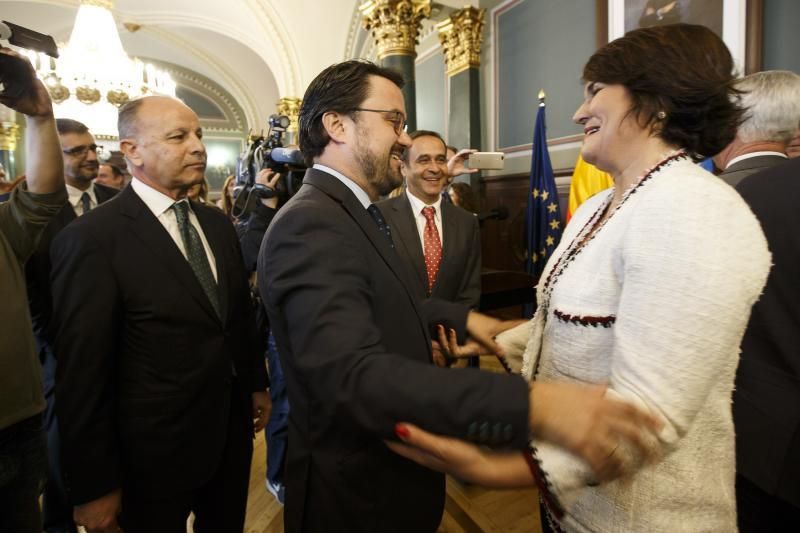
(438, 242)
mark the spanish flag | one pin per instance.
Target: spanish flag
(587, 181)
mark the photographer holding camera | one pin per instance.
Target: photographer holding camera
(22, 218)
(251, 229)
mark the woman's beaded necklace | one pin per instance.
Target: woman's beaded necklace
(596, 223)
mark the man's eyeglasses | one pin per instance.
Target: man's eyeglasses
(397, 118)
(83, 149)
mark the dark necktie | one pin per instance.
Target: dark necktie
(196, 253)
(86, 202)
(383, 227)
(432, 247)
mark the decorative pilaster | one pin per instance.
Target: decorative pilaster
(461, 37)
(395, 26)
(290, 107)
(9, 134)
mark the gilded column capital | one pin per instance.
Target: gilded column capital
(395, 24)
(9, 133)
(290, 106)
(461, 37)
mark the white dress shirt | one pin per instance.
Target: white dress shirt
(75, 194)
(417, 206)
(755, 154)
(160, 204)
(360, 193)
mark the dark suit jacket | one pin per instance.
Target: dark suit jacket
(357, 359)
(37, 277)
(144, 371)
(766, 404)
(459, 278)
(740, 170)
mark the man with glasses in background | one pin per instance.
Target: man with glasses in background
(79, 153)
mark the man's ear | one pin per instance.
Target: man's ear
(335, 126)
(130, 150)
(404, 168)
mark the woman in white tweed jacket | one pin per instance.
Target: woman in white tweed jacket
(649, 291)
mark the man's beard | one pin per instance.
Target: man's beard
(377, 169)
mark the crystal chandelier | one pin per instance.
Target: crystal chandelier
(93, 75)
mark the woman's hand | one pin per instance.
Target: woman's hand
(461, 459)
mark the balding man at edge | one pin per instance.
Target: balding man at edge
(160, 370)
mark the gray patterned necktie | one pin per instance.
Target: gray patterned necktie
(196, 253)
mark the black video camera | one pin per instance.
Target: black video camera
(16, 74)
(267, 152)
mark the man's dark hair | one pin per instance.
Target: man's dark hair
(341, 88)
(114, 169)
(67, 125)
(682, 70)
(423, 133)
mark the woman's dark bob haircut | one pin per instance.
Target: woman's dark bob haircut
(684, 70)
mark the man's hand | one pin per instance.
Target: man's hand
(450, 348)
(583, 420)
(456, 166)
(100, 515)
(34, 102)
(262, 405)
(268, 178)
(439, 358)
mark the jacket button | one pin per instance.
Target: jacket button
(508, 433)
(484, 433)
(472, 431)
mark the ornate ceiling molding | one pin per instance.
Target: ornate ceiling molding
(237, 86)
(285, 66)
(290, 62)
(207, 88)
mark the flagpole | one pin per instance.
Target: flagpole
(542, 97)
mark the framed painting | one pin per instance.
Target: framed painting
(738, 22)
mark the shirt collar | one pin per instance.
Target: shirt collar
(75, 194)
(156, 201)
(360, 193)
(418, 205)
(755, 154)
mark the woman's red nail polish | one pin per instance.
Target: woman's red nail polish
(401, 431)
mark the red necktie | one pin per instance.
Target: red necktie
(432, 247)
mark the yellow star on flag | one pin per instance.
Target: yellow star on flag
(552, 206)
(550, 240)
(535, 193)
(535, 257)
(543, 252)
(545, 194)
(555, 224)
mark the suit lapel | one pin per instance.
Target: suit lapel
(450, 238)
(339, 192)
(155, 237)
(408, 236)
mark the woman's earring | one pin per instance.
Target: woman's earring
(661, 115)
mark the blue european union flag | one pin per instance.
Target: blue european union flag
(543, 215)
